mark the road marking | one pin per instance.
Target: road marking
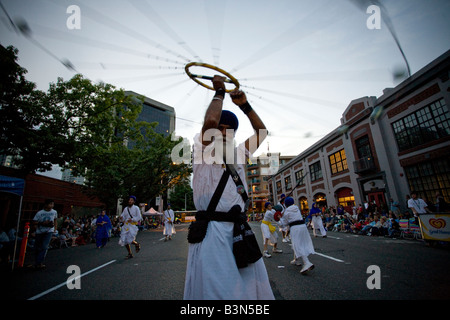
(333, 237)
(65, 282)
(325, 256)
(331, 258)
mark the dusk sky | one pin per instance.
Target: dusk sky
(300, 62)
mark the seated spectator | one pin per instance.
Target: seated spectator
(370, 222)
(357, 226)
(65, 237)
(72, 236)
(360, 216)
(393, 225)
(375, 230)
(115, 231)
(384, 226)
(12, 234)
(79, 239)
(337, 224)
(332, 221)
(345, 223)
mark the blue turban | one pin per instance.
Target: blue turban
(289, 201)
(314, 209)
(267, 204)
(229, 118)
(132, 197)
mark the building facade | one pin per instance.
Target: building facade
(69, 198)
(258, 174)
(155, 111)
(385, 148)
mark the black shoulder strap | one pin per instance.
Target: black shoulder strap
(237, 180)
(230, 171)
(218, 193)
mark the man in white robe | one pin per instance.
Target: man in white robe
(300, 237)
(269, 231)
(130, 217)
(212, 272)
(169, 227)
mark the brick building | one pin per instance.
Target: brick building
(258, 173)
(385, 148)
(68, 197)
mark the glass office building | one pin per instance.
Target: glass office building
(154, 111)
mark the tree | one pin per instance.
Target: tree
(89, 128)
(117, 154)
(21, 118)
(182, 197)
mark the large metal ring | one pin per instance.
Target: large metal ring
(195, 77)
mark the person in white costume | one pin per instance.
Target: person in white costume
(217, 267)
(316, 220)
(169, 227)
(300, 238)
(284, 229)
(130, 218)
(269, 231)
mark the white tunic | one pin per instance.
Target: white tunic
(169, 226)
(265, 229)
(317, 223)
(283, 228)
(300, 238)
(211, 272)
(129, 230)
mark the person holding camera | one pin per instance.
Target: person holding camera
(45, 223)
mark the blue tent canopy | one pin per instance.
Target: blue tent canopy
(12, 185)
(15, 186)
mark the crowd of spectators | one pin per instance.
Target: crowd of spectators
(370, 219)
(81, 231)
(363, 220)
(71, 232)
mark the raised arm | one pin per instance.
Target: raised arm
(212, 116)
(251, 144)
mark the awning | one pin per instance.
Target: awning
(12, 185)
(152, 212)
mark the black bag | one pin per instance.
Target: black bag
(245, 246)
(197, 231)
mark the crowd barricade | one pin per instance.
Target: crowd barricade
(435, 226)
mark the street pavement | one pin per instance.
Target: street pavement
(347, 267)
